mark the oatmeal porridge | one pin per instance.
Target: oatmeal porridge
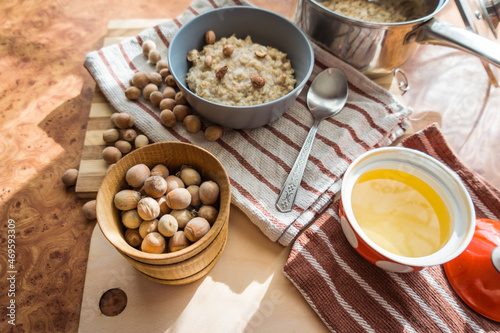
(239, 72)
(386, 11)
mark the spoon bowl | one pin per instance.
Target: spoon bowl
(326, 97)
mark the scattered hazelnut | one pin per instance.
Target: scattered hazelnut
(178, 242)
(208, 60)
(128, 134)
(133, 93)
(89, 210)
(111, 154)
(140, 79)
(154, 56)
(181, 111)
(196, 228)
(153, 243)
(137, 175)
(169, 92)
(123, 120)
(126, 199)
(192, 123)
(228, 49)
(257, 81)
(123, 146)
(133, 238)
(140, 141)
(111, 135)
(70, 177)
(167, 118)
(221, 72)
(148, 208)
(164, 72)
(148, 46)
(213, 132)
(156, 97)
(167, 104)
(180, 98)
(170, 81)
(210, 37)
(148, 90)
(131, 219)
(155, 78)
(162, 64)
(209, 192)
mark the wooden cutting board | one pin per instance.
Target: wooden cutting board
(93, 168)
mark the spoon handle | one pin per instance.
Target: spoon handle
(286, 198)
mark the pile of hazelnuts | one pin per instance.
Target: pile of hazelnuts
(164, 212)
(162, 91)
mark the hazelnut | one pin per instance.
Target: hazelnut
(111, 135)
(196, 228)
(154, 56)
(148, 208)
(210, 37)
(180, 98)
(123, 120)
(162, 64)
(174, 182)
(192, 123)
(148, 90)
(178, 198)
(123, 146)
(131, 219)
(153, 243)
(137, 175)
(167, 103)
(140, 141)
(228, 49)
(221, 72)
(156, 97)
(155, 186)
(213, 132)
(160, 170)
(148, 46)
(181, 111)
(257, 81)
(183, 216)
(89, 210)
(195, 195)
(209, 213)
(70, 177)
(140, 79)
(148, 227)
(169, 92)
(178, 242)
(208, 60)
(189, 176)
(170, 81)
(111, 154)
(133, 238)
(126, 199)
(128, 134)
(155, 78)
(164, 209)
(167, 118)
(167, 225)
(164, 72)
(133, 93)
(209, 192)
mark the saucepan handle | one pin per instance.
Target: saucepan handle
(438, 32)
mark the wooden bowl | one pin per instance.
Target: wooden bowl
(186, 265)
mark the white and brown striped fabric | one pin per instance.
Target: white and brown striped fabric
(352, 295)
(258, 161)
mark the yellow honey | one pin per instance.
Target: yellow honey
(400, 212)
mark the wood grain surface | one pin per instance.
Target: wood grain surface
(46, 95)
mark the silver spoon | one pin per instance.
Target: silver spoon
(326, 97)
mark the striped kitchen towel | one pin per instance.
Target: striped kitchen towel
(259, 160)
(352, 295)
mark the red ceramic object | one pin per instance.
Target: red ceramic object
(475, 274)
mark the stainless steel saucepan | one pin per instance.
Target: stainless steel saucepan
(379, 48)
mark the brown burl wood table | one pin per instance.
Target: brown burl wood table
(46, 95)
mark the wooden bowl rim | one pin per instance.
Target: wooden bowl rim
(171, 257)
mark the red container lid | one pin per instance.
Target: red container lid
(475, 274)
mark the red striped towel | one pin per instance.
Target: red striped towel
(258, 161)
(352, 295)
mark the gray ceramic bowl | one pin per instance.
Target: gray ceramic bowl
(265, 28)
